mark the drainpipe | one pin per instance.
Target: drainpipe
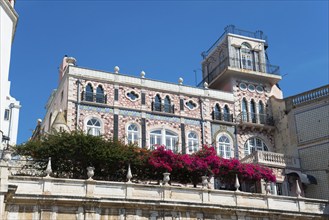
(202, 120)
(78, 104)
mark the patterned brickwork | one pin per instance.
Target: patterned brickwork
(312, 124)
(315, 161)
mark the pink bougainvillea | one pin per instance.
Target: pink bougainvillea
(190, 168)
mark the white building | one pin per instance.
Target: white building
(9, 106)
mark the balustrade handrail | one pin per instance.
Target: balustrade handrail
(310, 95)
(255, 118)
(271, 158)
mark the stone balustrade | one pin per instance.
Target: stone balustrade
(307, 97)
(272, 159)
(56, 191)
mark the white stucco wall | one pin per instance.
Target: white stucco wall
(8, 21)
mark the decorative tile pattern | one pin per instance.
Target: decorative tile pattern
(96, 109)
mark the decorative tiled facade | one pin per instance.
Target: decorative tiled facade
(238, 98)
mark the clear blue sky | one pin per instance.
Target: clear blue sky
(163, 38)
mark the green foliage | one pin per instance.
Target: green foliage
(72, 153)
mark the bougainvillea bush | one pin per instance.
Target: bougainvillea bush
(72, 153)
(190, 168)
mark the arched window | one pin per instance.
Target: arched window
(171, 140)
(246, 56)
(100, 94)
(164, 137)
(94, 127)
(227, 116)
(89, 96)
(254, 144)
(244, 110)
(217, 113)
(132, 134)
(192, 142)
(224, 147)
(167, 105)
(157, 103)
(261, 111)
(253, 111)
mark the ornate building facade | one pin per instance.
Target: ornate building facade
(238, 108)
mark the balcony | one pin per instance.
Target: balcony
(222, 116)
(93, 97)
(272, 159)
(250, 119)
(159, 107)
(231, 29)
(241, 65)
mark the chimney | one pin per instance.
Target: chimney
(67, 61)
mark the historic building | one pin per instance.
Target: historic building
(238, 108)
(9, 106)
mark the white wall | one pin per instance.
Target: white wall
(8, 21)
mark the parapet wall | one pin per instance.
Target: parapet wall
(55, 198)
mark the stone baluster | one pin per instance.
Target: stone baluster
(237, 184)
(298, 190)
(48, 169)
(129, 175)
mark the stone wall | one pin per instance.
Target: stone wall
(53, 198)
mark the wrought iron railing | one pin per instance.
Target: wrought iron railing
(240, 64)
(254, 66)
(222, 116)
(93, 97)
(233, 30)
(251, 117)
(159, 107)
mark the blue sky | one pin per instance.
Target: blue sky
(163, 38)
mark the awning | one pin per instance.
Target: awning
(305, 178)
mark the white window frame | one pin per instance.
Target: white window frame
(135, 134)
(133, 92)
(259, 145)
(94, 127)
(163, 138)
(224, 148)
(192, 142)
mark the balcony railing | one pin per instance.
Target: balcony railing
(272, 159)
(254, 66)
(242, 64)
(159, 107)
(233, 30)
(309, 96)
(93, 97)
(222, 116)
(250, 117)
